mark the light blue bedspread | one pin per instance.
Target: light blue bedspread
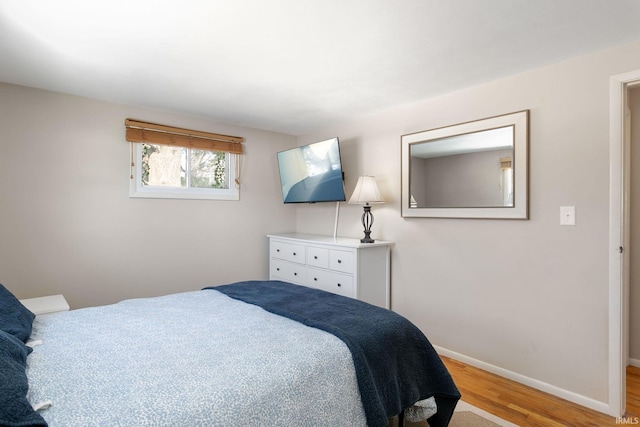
(191, 359)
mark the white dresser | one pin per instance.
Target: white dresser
(340, 265)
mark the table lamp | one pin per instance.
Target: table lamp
(366, 192)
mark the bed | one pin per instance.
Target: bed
(257, 353)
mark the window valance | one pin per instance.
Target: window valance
(152, 133)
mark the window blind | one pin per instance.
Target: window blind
(152, 133)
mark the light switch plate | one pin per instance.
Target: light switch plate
(567, 215)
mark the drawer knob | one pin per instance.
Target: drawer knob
(339, 285)
(294, 254)
(277, 250)
(339, 261)
(315, 257)
(295, 274)
(315, 279)
(278, 269)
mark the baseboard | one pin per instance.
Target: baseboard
(576, 398)
(634, 362)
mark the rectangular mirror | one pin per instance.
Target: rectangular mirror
(477, 169)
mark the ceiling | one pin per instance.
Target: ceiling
(293, 66)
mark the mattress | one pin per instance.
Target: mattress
(194, 358)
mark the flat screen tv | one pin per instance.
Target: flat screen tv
(312, 173)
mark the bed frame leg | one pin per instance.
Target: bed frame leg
(401, 419)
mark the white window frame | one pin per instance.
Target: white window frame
(137, 190)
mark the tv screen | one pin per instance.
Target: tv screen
(312, 173)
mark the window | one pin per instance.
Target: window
(165, 171)
(506, 181)
(178, 163)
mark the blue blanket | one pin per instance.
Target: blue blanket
(15, 409)
(395, 364)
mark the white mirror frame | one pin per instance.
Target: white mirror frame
(520, 209)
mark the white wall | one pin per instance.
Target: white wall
(529, 297)
(67, 224)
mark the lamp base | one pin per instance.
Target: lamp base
(367, 220)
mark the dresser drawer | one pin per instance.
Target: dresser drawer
(288, 251)
(330, 281)
(288, 271)
(341, 261)
(317, 257)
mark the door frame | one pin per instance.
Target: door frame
(618, 238)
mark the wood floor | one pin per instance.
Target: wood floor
(526, 406)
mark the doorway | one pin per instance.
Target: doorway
(619, 237)
(632, 229)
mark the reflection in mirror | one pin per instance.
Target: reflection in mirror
(472, 170)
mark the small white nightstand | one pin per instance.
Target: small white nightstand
(46, 305)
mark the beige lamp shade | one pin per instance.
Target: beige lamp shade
(366, 191)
